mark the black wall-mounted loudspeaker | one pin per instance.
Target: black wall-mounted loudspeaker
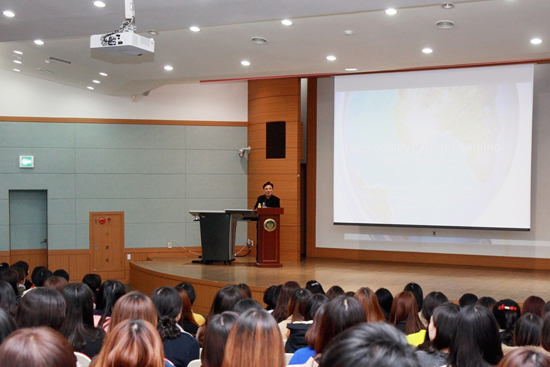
(275, 139)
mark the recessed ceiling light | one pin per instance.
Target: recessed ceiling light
(18, 52)
(90, 87)
(348, 32)
(245, 63)
(17, 70)
(99, 4)
(447, 5)
(391, 11)
(103, 74)
(96, 81)
(152, 32)
(351, 69)
(536, 41)
(259, 40)
(286, 21)
(195, 29)
(427, 50)
(9, 13)
(18, 61)
(39, 42)
(331, 58)
(445, 24)
(168, 68)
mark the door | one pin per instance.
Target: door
(107, 241)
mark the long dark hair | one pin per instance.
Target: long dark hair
(41, 307)
(527, 330)
(7, 325)
(79, 320)
(168, 303)
(444, 319)
(476, 342)
(7, 297)
(216, 334)
(507, 312)
(404, 308)
(280, 312)
(109, 292)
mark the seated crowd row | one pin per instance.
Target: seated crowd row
(363, 328)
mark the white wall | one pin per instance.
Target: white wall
(534, 243)
(22, 95)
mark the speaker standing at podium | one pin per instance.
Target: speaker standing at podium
(267, 200)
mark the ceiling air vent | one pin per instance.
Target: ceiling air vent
(60, 61)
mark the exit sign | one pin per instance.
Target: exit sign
(26, 161)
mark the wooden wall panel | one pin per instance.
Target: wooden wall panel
(33, 257)
(75, 262)
(5, 257)
(276, 100)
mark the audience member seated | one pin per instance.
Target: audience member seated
(367, 298)
(224, 300)
(7, 325)
(11, 276)
(527, 331)
(280, 312)
(467, 299)
(298, 330)
(385, 300)
(79, 327)
(62, 273)
(247, 304)
(545, 333)
(134, 305)
(404, 316)
(487, 302)
(109, 293)
(25, 266)
(131, 343)
(296, 310)
(188, 287)
(36, 347)
(302, 355)
(180, 347)
(21, 283)
(533, 304)
(41, 307)
(441, 329)
(506, 312)
(56, 283)
(315, 287)
(525, 357)
(334, 292)
(418, 293)
(215, 338)
(270, 297)
(7, 298)
(94, 282)
(477, 339)
(369, 345)
(254, 340)
(187, 320)
(39, 275)
(432, 300)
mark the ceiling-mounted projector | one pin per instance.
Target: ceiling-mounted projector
(124, 41)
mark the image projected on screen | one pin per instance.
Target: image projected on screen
(445, 148)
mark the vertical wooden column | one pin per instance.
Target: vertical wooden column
(276, 100)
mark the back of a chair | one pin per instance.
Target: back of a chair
(83, 359)
(195, 363)
(288, 357)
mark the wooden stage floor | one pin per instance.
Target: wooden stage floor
(349, 274)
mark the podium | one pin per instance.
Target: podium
(268, 232)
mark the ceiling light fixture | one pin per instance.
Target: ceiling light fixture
(447, 5)
(331, 58)
(18, 62)
(103, 74)
(99, 4)
(391, 11)
(348, 32)
(168, 68)
(152, 32)
(39, 42)
(90, 87)
(286, 21)
(427, 50)
(17, 70)
(536, 41)
(96, 81)
(259, 40)
(18, 52)
(194, 29)
(445, 24)
(9, 13)
(245, 63)
(351, 69)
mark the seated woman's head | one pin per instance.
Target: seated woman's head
(134, 305)
(41, 307)
(37, 347)
(370, 304)
(215, 338)
(527, 330)
(442, 325)
(404, 310)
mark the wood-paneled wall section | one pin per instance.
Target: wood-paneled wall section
(33, 257)
(276, 100)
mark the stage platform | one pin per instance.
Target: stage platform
(349, 274)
